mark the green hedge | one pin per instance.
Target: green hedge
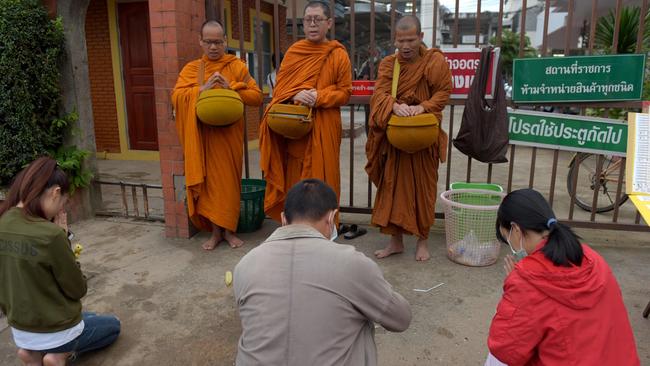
(31, 49)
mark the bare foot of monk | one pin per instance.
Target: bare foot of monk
(55, 359)
(234, 241)
(214, 240)
(395, 246)
(30, 358)
(422, 251)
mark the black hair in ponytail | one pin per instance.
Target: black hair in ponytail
(528, 209)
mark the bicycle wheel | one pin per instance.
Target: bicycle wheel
(584, 165)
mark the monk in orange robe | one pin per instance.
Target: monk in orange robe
(213, 155)
(317, 73)
(406, 183)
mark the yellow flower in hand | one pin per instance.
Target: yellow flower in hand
(78, 248)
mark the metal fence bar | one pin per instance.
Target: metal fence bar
(574, 184)
(499, 43)
(569, 30)
(556, 152)
(456, 23)
(258, 44)
(608, 225)
(294, 24)
(477, 24)
(547, 9)
(276, 32)
(351, 127)
(134, 195)
(372, 71)
(511, 166)
(242, 55)
(617, 26)
(551, 194)
(477, 34)
(125, 205)
(641, 31)
(522, 28)
(619, 188)
(333, 10)
(124, 200)
(594, 202)
(533, 160)
(452, 107)
(434, 41)
(489, 173)
(500, 24)
(592, 26)
(392, 19)
(145, 200)
(371, 53)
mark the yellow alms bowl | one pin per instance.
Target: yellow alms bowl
(412, 134)
(289, 120)
(219, 107)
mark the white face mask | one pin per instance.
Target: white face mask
(519, 254)
(335, 233)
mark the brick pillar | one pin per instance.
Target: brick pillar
(174, 36)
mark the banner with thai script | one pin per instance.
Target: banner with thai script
(363, 87)
(578, 78)
(567, 132)
(463, 63)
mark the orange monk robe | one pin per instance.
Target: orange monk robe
(407, 183)
(213, 155)
(306, 65)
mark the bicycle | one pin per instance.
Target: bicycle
(585, 166)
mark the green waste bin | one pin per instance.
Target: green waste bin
(251, 212)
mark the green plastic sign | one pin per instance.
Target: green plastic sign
(578, 79)
(567, 132)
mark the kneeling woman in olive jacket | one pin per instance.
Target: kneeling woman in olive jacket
(41, 285)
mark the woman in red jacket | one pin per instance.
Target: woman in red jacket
(561, 304)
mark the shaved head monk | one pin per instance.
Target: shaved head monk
(406, 182)
(315, 72)
(213, 155)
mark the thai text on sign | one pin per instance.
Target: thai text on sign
(567, 132)
(363, 87)
(463, 63)
(578, 78)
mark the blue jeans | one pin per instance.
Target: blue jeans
(99, 331)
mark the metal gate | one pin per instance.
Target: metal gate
(363, 25)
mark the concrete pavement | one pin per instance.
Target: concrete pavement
(176, 310)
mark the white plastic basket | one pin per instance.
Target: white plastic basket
(470, 217)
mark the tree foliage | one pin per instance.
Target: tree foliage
(628, 31)
(31, 51)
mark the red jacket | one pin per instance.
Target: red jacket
(552, 315)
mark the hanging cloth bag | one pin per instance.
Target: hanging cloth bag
(483, 133)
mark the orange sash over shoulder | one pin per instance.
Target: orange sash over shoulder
(213, 155)
(407, 183)
(306, 65)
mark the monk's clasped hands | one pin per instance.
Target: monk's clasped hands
(405, 110)
(307, 97)
(216, 80)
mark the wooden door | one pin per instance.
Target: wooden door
(137, 71)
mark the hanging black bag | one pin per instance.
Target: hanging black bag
(483, 133)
